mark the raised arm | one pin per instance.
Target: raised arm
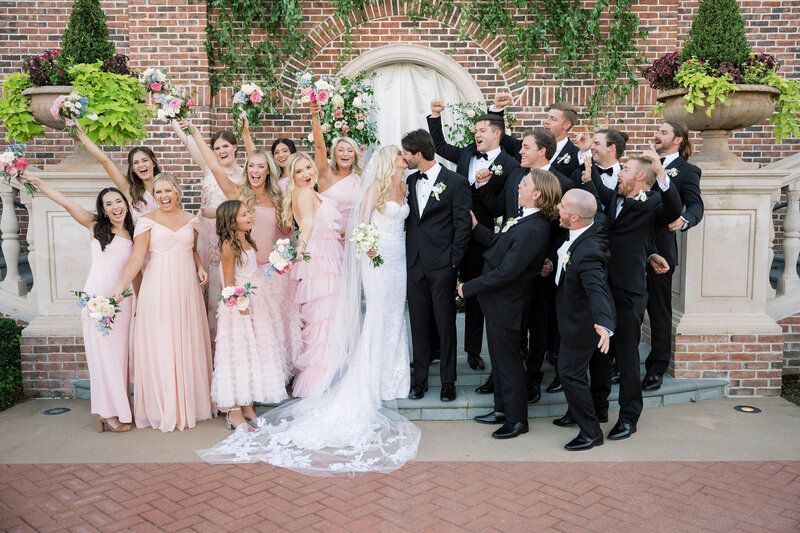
(81, 215)
(249, 145)
(443, 149)
(191, 146)
(320, 150)
(229, 188)
(111, 169)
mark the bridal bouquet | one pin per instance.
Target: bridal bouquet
(175, 106)
(366, 238)
(249, 101)
(99, 309)
(155, 81)
(346, 107)
(238, 297)
(70, 106)
(283, 254)
(13, 164)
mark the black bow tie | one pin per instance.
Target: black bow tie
(663, 159)
(609, 171)
(482, 155)
(423, 176)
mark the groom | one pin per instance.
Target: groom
(438, 232)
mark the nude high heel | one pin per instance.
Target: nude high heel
(102, 424)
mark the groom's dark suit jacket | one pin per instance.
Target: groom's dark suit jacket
(687, 181)
(440, 236)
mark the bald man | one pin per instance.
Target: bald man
(584, 307)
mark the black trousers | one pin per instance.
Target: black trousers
(432, 304)
(572, 367)
(630, 309)
(659, 308)
(510, 391)
(470, 268)
(539, 323)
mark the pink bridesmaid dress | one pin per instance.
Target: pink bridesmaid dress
(107, 356)
(172, 368)
(145, 206)
(247, 366)
(284, 322)
(343, 192)
(318, 295)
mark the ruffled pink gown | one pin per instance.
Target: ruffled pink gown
(207, 243)
(247, 367)
(172, 369)
(284, 323)
(318, 294)
(343, 192)
(107, 356)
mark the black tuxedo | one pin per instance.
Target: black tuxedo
(630, 241)
(512, 259)
(435, 245)
(583, 298)
(504, 202)
(659, 286)
(472, 264)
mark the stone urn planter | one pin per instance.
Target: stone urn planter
(750, 104)
(41, 99)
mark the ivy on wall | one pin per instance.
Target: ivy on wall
(253, 39)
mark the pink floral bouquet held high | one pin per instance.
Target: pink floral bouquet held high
(175, 106)
(99, 309)
(249, 102)
(155, 81)
(235, 296)
(71, 107)
(13, 164)
(282, 256)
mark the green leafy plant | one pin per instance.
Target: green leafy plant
(116, 100)
(86, 38)
(786, 122)
(704, 89)
(717, 34)
(462, 131)
(15, 111)
(10, 363)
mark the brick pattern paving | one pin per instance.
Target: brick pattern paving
(423, 496)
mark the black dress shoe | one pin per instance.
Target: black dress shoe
(448, 392)
(652, 382)
(602, 416)
(621, 430)
(534, 395)
(417, 391)
(582, 442)
(475, 362)
(495, 417)
(509, 430)
(487, 387)
(615, 377)
(555, 385)
(565, 421)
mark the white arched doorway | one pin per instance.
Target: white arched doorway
(407, 78)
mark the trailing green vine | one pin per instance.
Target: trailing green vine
(558, 34)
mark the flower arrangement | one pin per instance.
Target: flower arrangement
(70, 106)
(155, 81)
(99, 309)
(175, 106)
(249, 102)
(13, 164)
(346, 107)
(237, 296)
(48, 68)
(283, 254)
(461, 132)
(366, 237)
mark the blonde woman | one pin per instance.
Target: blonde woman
(172, 367)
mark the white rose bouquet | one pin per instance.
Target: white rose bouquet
(249, 101)
(99, 309)
(238, 297)
(282, 256)
(175, 106)
(155, 81)
(366, 237)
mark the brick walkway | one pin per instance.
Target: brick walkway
(423, 496)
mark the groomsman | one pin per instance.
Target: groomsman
(634, 212)
(673, 145)
(437, 235)
(513, 257)
(485, 153)
(606, 148)
(585, 309)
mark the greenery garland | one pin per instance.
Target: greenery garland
(559, 34)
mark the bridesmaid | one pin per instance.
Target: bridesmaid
(107, 357)
(339, 178)
(281, 150)
(172, 367)
(137, 184)
(318, 221)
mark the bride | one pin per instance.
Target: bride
(347, 428)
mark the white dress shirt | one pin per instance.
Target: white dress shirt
(609, 181)
(573, 234)
(424, 187)
(476, 165)
(559, 146)
(669, 159)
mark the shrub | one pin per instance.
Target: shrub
(10, 364)
(717, 34)
(86, 38)
(118, 65)
(661, 74)
(49, 68)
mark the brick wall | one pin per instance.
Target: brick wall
(49, 364)
(791, 344)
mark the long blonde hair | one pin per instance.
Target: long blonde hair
(358, 164)
(385, 169)
(272, 187)
(287, 217)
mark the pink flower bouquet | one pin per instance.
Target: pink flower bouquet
(13, 164)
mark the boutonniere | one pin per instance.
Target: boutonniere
(642, 196)
(496, 169)
(566, 258)
(672, 172)
(437, 190)
(510, 222)
(564, 159)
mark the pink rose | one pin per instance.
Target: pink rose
(155, 87)
(288, 267)
(308, 91)
(56, 107)
(21, 163)
(338, 114)
(176, 103)
(189, 102)
(345, 128)
(238, 291)
(255, 97)
(322, 97)
(11, 171)
(230, 302)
